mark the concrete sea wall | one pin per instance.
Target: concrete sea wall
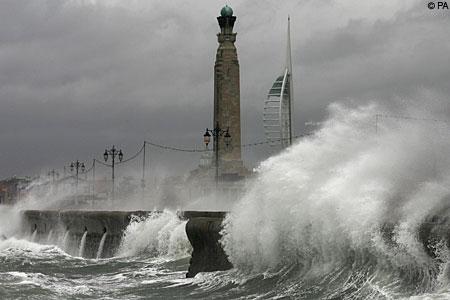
(202, 229)
(72, 225)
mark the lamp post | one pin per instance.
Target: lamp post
(216, 133)
(143, 173)
(93, 180)
(113, 152)
(76, 166)
(53, 175)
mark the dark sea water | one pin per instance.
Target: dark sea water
(33, 271)
(46, 272)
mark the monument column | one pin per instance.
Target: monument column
(227, 106)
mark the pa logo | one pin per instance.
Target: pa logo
(438, 5)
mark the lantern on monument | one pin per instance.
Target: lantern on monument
(207, 137)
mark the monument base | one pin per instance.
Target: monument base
(234, 170)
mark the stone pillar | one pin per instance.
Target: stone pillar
(227, 105)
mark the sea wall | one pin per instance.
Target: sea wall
(71, 225)
(202, 229)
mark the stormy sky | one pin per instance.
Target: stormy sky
(77, 76)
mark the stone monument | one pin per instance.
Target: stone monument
(227, 103)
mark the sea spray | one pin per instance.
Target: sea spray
(33, 236)
(10, 221)
(323, 203)
(82, 244)
(158, 234)
(65, 240)
(13, 245)
(101, 245)
(49, 236)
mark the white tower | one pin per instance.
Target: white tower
(278, 105)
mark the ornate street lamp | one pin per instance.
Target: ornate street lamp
(76, 166)
(113, 152)
(216, 133)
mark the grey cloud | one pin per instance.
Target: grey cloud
(375, 61)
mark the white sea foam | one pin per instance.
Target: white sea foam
(334, 191)
(13, 246)
(159, 234)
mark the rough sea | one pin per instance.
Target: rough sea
(309, 226)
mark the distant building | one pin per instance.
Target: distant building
(13, 189)
(278, 105)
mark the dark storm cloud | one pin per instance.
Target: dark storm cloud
(77, 76)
